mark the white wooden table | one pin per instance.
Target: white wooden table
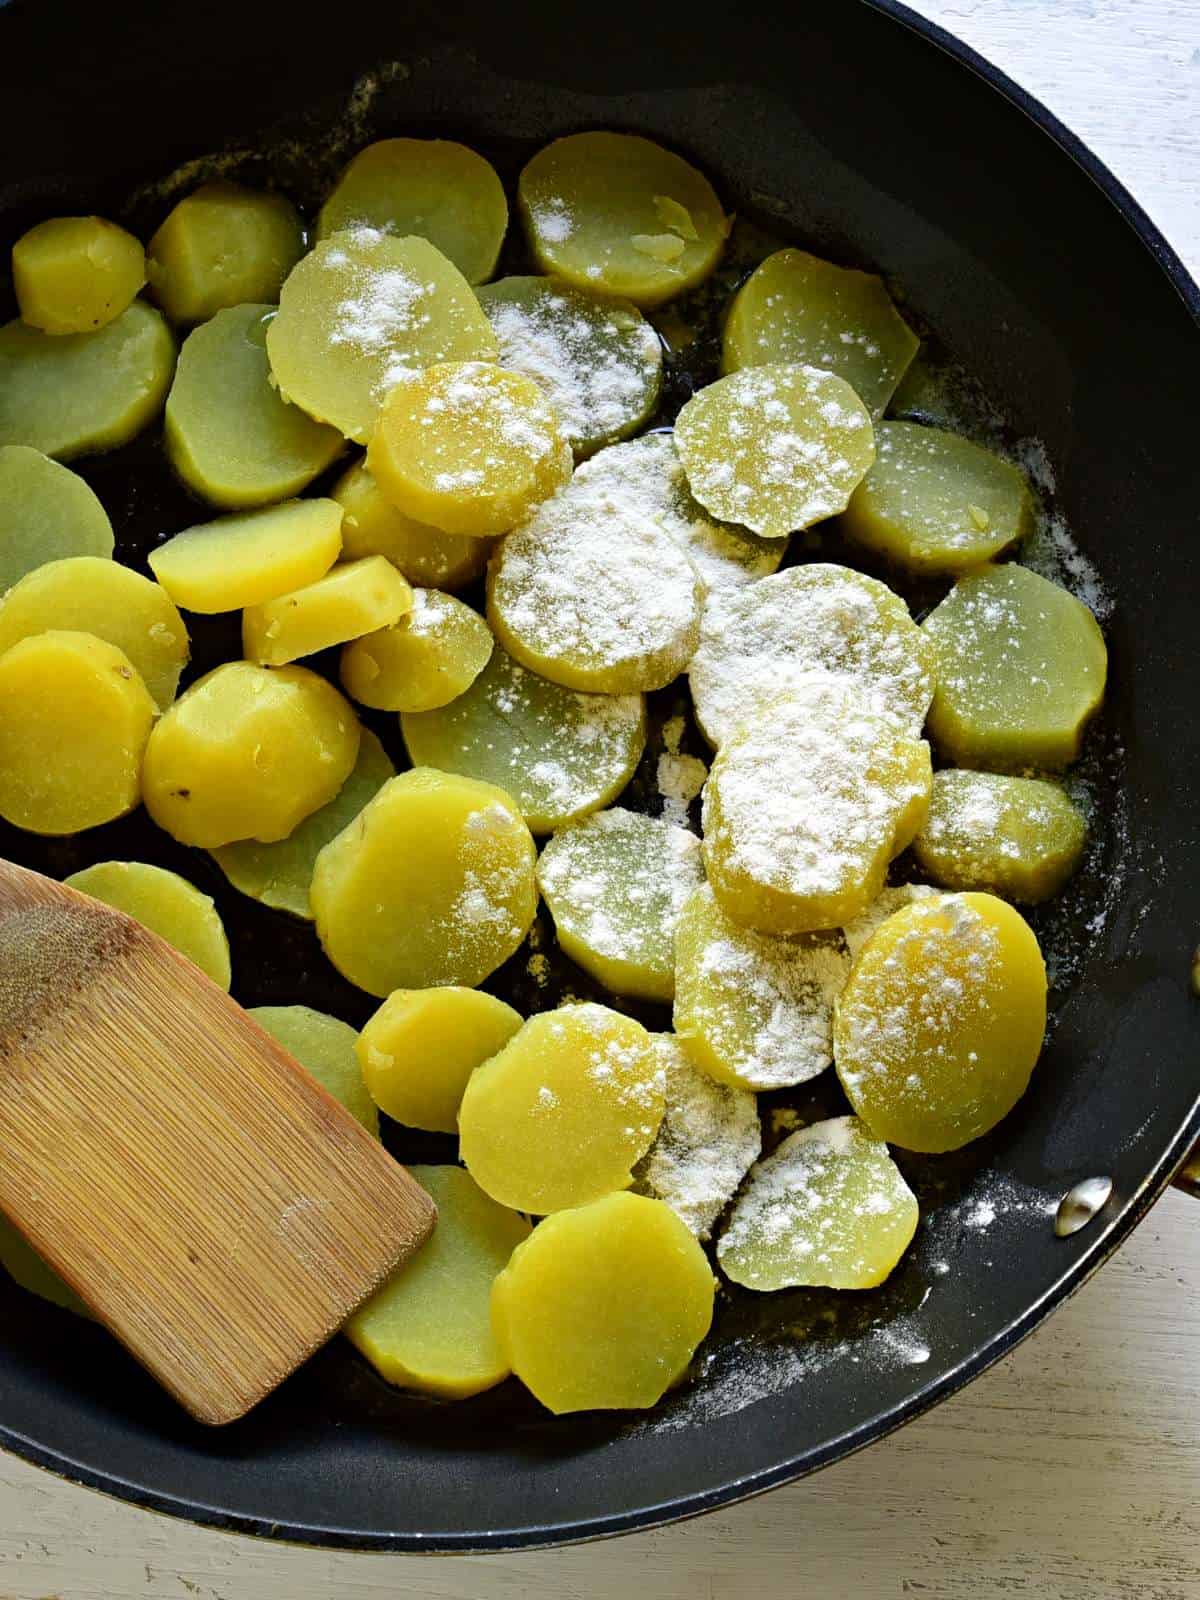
(1069, 1472)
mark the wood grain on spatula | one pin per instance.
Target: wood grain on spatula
(217, 1209)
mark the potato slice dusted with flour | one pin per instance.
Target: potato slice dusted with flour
(426, 660)
(1019, 837)
(860, 928)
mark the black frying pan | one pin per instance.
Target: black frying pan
(872, 136)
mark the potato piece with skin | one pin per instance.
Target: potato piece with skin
(431, 884)
(755, 1010)
(828, 1209)
(775, 448)
(805, 807)
(613, 213)
(362, 311)
(74, 721)
(422, 1045)
(562, 1113)
(603, 1307)
(280, 874)
(166, 904)
(428, 658)
(597, 359)
(75, 274)
(47, 513)
(247, 753)
(933, 502)
(430, 1327)
(223, 246)
(467, 447)
(229, 435)
(436, 188)
(424, 555)
(941, 1022)
(560, 754)
(615, 884)
(796, 307)
(1021, 667)
(250, 557)
(325, 1047)
(352, 599)
(74, 394)
(594, 596)
(1019, 837)
(87, 594)
(27, 1269)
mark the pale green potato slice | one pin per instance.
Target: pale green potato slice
(325, 1047)
(166, 904)
(223, 246)
(47, 513)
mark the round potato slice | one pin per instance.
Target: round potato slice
(87, 594)
(615, 884)
(775, 448)
(325, 1047)
(828, 1209)
(561, 1114)
(561, 755)
(430, 1327)
(430, 657)
(424, 555)
(362, 311)
(613, 213)
(75, 274)
(435, 188)
(941, 1022)
(247, 753)
(74, 394)
(760, 642)
(223, 246)
(431, 884)
(603, 1307)
(166, 904)
(245, 559)
(74, 721)
(859, 929)
(47, 513)
(597, 359)
(352, 599)
(422, 1045)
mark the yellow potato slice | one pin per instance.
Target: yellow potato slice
(859, 929)
(796, 307)
(166, 904)
(1019, 837)
(767, 639)
(88, 594)
(74, 721)
(422, 1045)
(75, 274)
(1021, 668)
(430, 1327)
(352, 599)
(247, 753)
(435, 188)
(27, 1269)
(280, 874)
(592, 595)
(426, 556)
(755, 1010)
(707, 1141)
(74, 394)
(362, 311)
(325, 1047)
(467, 447)
(613, 213)
(245, 559)
(47, 513)
(431, 884)
(805, 807)
(604, 1306)
(828, 1209)
(615, 884)
(223, 246)
(941, 1022)
(560, 1115)
(559, 754)
(229, 434)
(430, 657)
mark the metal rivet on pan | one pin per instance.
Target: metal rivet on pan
(1080, 1204)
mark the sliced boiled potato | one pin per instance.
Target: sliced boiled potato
(166, 904)
(221, 246)
(427, 659)
(47, 512)
(371, 526)
(75, 274)
(244, 559)
(325, 1047)
(352, 599)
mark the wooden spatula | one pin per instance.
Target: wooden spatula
(216, 1208)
